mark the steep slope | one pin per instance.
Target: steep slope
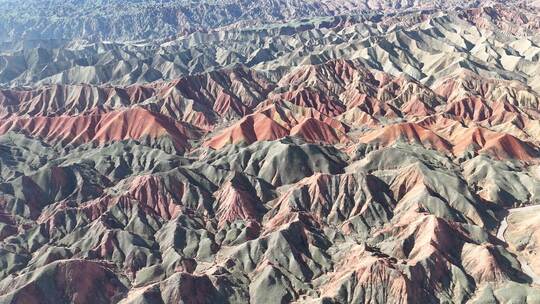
(101, 128)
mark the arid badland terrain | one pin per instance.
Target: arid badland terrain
(269, 151)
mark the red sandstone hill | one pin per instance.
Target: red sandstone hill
(101, 128)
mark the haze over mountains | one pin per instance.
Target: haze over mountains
(61, 20)
(425, 45)
(269, 151)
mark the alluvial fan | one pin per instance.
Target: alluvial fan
(240, 151)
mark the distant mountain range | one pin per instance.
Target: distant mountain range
(122, 20)
(424, 45)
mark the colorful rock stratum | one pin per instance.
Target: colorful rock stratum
(269, 151)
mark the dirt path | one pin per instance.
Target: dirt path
(525, 267)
